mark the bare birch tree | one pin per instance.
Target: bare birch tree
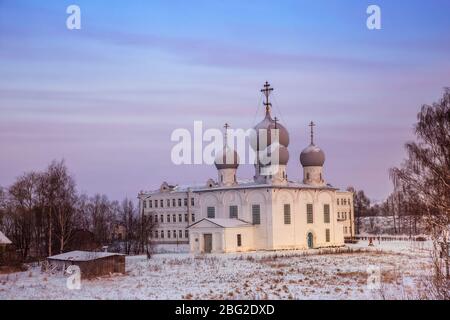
(426, 173)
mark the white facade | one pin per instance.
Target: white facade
(268, 212)
(345, 213)
(282, 223)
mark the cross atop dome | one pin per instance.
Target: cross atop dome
(312, 125)
(266, 91)
(226, 126)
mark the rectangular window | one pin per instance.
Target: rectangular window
(179, 218)
(156, 218)
(174, 203)
(211, 212)
(309, 213)
(150, 218)
(162, 234)
(287, 214)
(180, 233)
(150, 203)
(256, 214)
(193, 217)
(239, 240)
(156, 203)
(185, 217)
(326, 213)
(233, 212)
(162, 218)
(186, 233)
(179, 202)
(327, 235)
(156, 233)
(168, 218)
(161, 202)
(168, 234)
(168, 202)
(145, 204)
(192, 201)
(338, 201)
(185, 202)
(174, 233)
(174, 218)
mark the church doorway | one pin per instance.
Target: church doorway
(310, 241)
(207, 237)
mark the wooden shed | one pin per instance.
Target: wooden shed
(4, 241)
(92, 264)
(5, 256)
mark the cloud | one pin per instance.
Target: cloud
(220, 54)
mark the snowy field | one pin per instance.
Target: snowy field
(314, 274)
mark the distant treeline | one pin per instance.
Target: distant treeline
(43, 214)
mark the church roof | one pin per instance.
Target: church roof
(255, 185)
(242, 184)
(4, 239)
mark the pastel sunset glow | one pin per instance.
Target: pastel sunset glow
(106, 98)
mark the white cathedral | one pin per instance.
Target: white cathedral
(268, 212)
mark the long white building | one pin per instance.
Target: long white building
(268, 212)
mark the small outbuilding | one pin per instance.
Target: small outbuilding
(4, 244)
(212, 235)
(4, 241)
(92, 264)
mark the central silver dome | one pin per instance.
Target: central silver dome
(268, 124)
(281, 151)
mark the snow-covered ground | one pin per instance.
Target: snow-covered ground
(318, 274)
(385, 225)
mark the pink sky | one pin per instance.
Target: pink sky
(107, 98)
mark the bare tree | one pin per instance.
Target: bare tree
(148, 225)
(21, 211)
(41, 211)
(361, 206)
(426, 172)
(130, 222)
(61, 188)
(102, 216)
